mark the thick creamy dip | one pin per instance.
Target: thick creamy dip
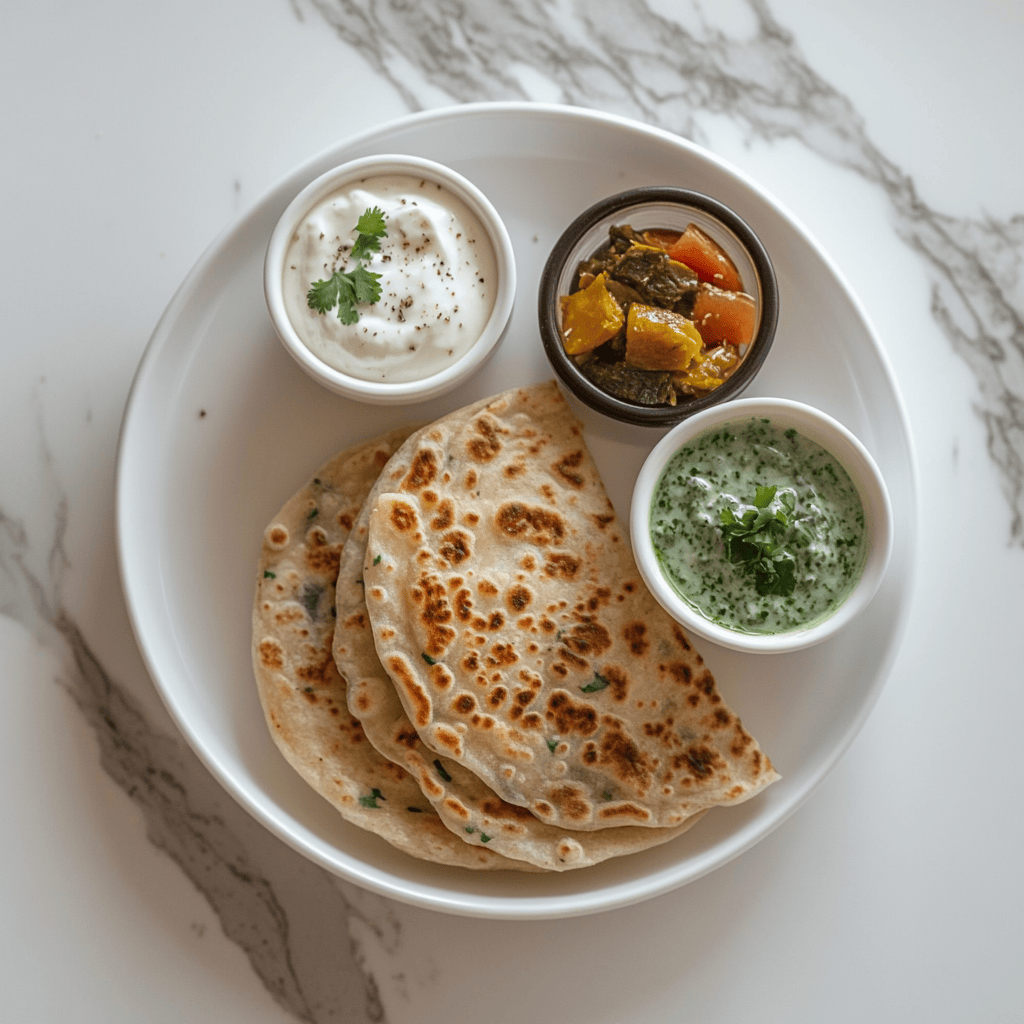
(722, 468)
(438, 279)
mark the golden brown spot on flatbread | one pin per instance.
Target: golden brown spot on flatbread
(518, 598)
(495, 807)
(568, 468)
(587, 639)
(705, 683)
(680, 638)
(497, 697)
(448, 739)
(679, 672)
(741, 741)
(487, 588)
(617, 812)
(464, 704)
(571, 802)
(635, 634)
(457, 809)
(699, 761)
(573, 659)
(271, 654)
(463, 604)
(618, 683)
(495, 621)
(621, 754)
(422, 471)
(435, 613)
(471, 479)
(319, 671)
(455, 547)
(562, 566)
(441, 677)
(444, 518)
(403, 516)
(408, 738)
(502, 655)
(514, 469)
(285, 615)
(487, 445)
(568, 717)
(603, 521)
(515, 519)
(278, 536)
(345, 520)
(417, 696)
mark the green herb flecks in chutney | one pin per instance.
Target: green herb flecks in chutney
(817, 533)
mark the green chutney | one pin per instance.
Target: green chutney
(824, 536)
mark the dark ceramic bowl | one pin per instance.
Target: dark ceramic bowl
(644, 209)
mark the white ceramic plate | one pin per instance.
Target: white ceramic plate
(222, 427)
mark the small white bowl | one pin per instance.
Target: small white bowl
(831, 435)
(385, 392)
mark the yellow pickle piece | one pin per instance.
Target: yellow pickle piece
(590, 317)
(658, 339)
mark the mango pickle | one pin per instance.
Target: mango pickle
(645, 326)
(658, 339)
(590, 317)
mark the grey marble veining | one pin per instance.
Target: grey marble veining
(625, 57)
(288, 916)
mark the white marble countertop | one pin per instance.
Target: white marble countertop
(133, 888)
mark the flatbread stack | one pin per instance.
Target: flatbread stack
(452, 644)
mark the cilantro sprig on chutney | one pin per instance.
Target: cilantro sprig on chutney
(753, 541)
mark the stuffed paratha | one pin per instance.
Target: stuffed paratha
(507, 609)
(464, 803)
(302, 694)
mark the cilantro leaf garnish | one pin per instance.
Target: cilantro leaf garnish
(372, 228)
(349, 289)
(599, 682)
(371, 800)
(753, 541)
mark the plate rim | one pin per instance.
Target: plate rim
(412, 892)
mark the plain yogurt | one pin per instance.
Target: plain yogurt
(438, 279)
